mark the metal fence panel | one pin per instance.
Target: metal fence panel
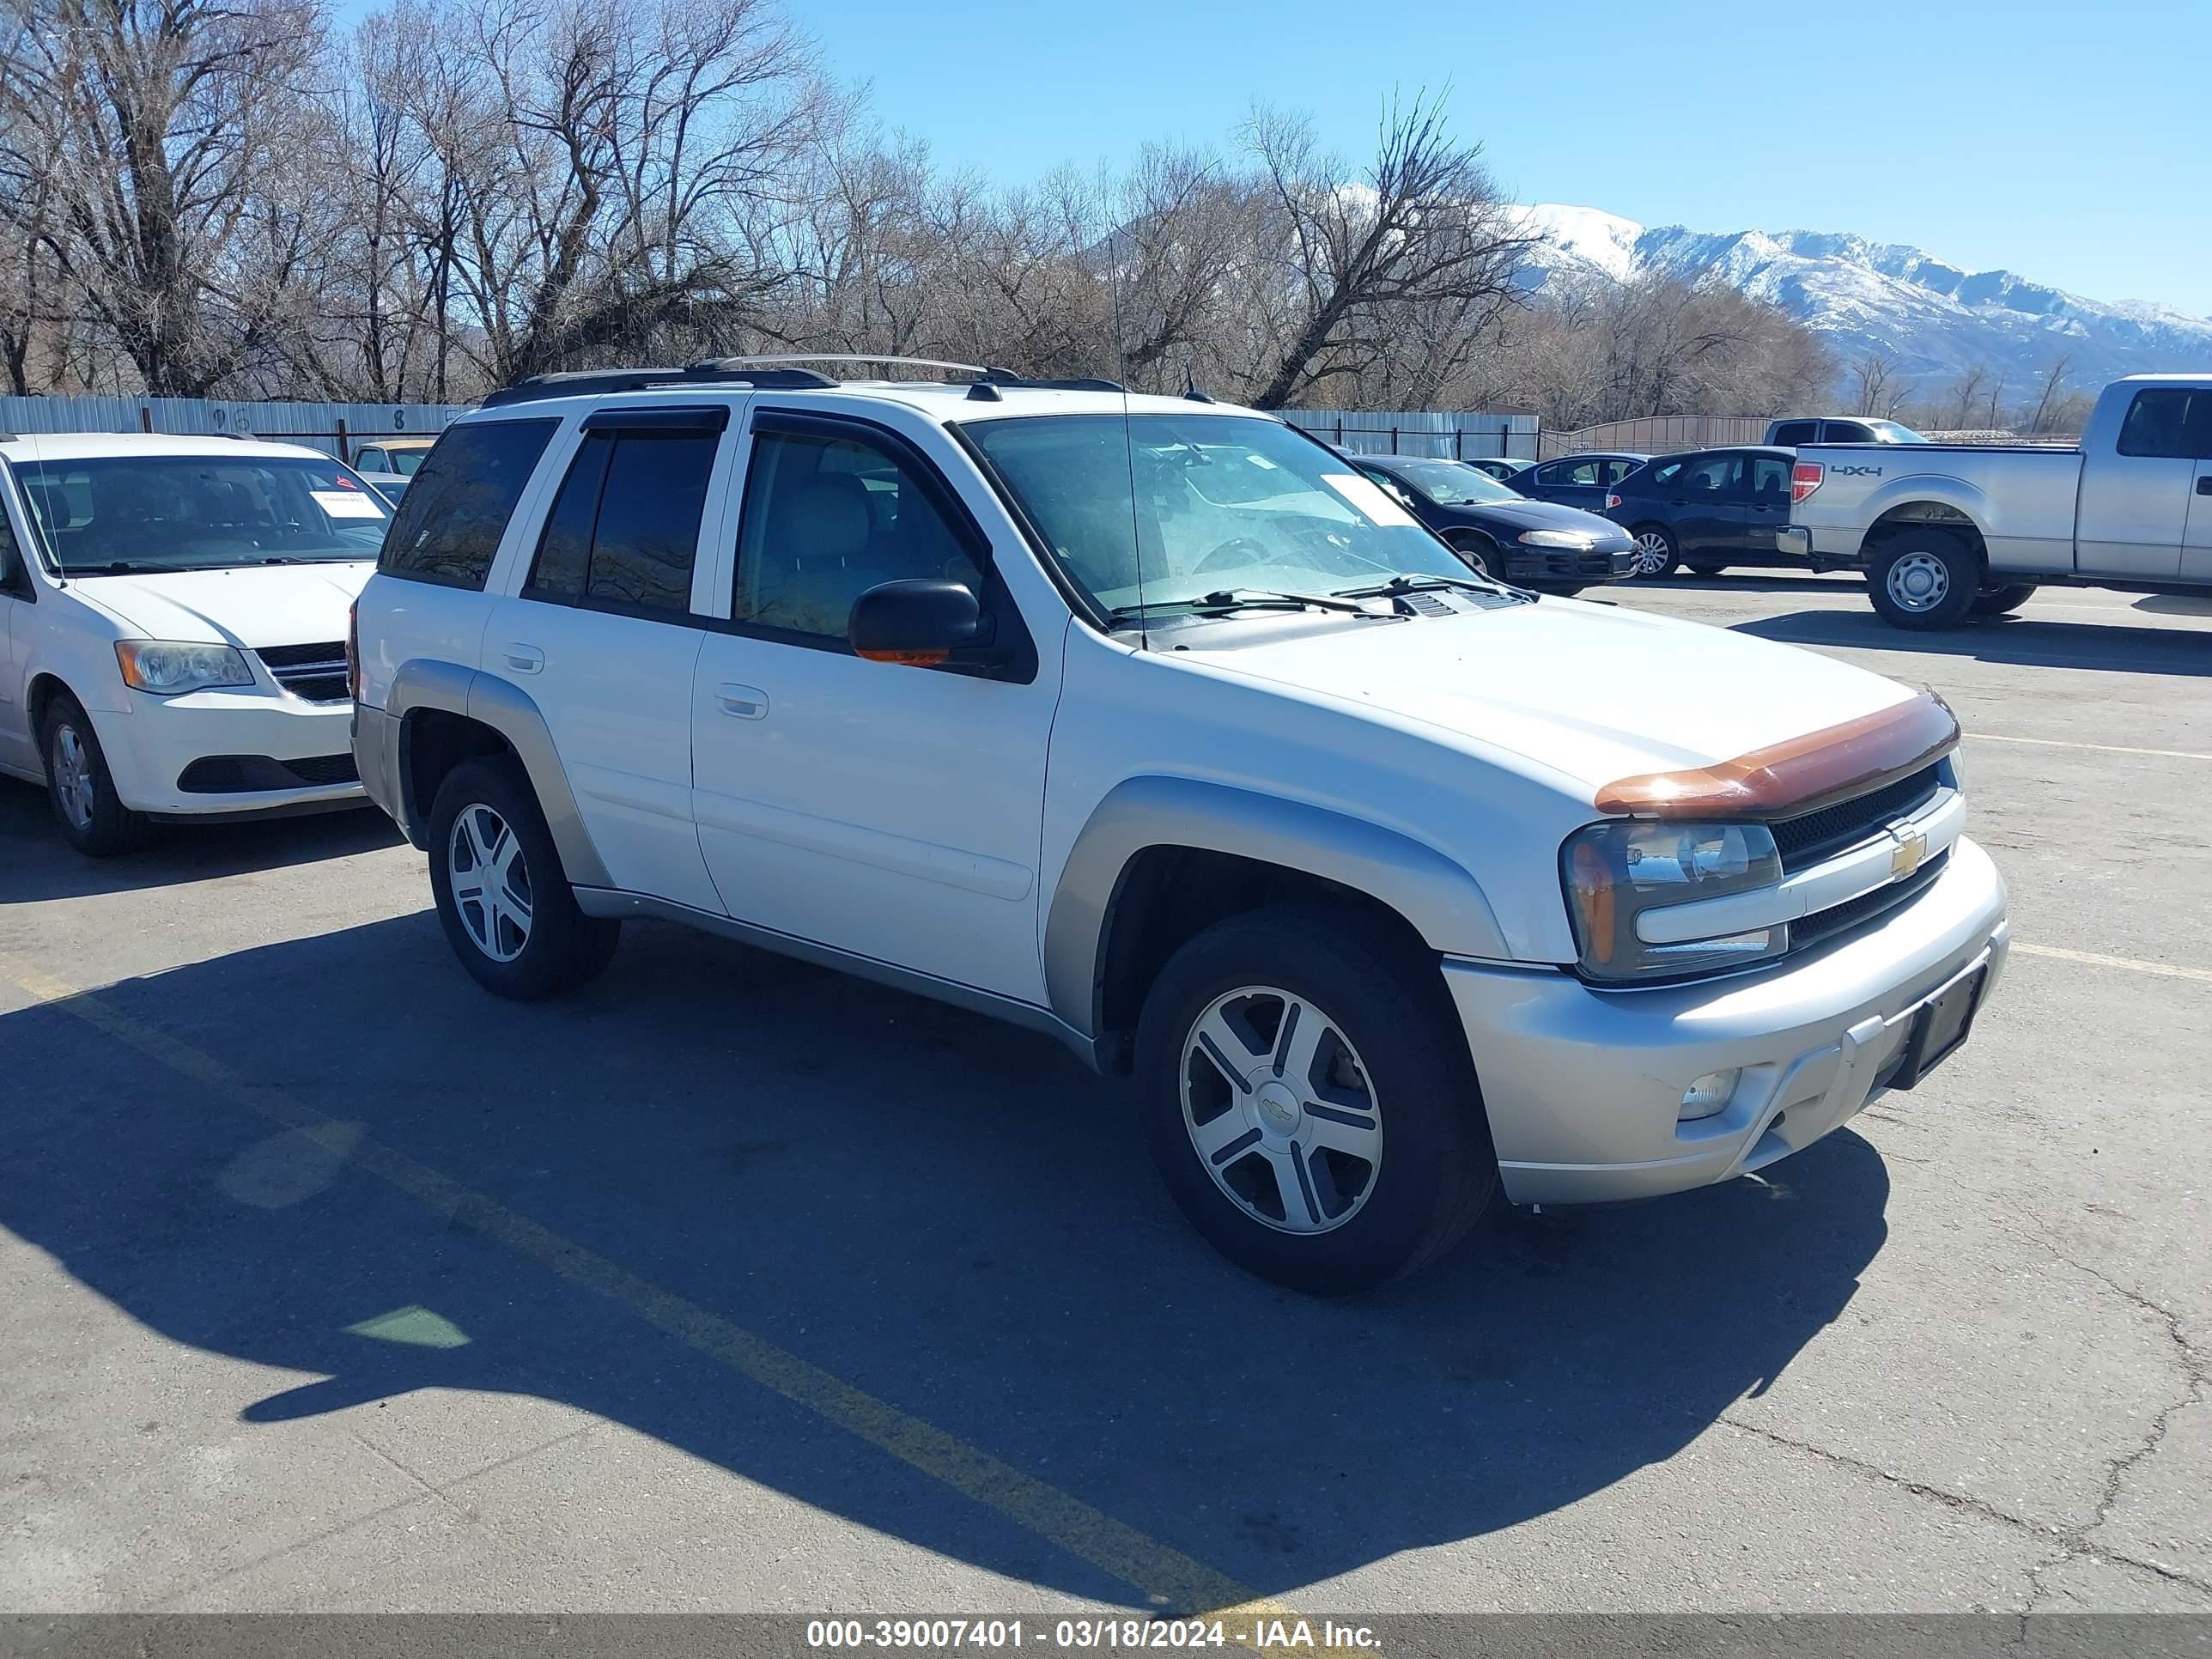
(334, 428)
(1659, 435)
(1456, 435)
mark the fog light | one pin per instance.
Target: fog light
(1708, 1094)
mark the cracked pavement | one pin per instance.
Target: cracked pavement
(1954, 1357)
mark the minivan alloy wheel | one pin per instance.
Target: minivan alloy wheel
(1651, 554)
(73, 782)
(1918, 581)
(1280, 1110)
(490, 881)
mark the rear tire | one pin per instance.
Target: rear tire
(505, 903)
(1372, 1052)
(1925, 579)
(80, 788)
(2003, 601)
(1658, 555)
(1706, 567)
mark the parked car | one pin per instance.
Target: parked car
(171, 622)
(1580, 480)
(396, 457)
(390, 485)
(1151, 724)
(1539, 544)
(1500, 467)
(1945, 531)
(1708, 509)
(1790, 432)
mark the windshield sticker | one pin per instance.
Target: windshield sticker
(347, 503)
(1363, 493)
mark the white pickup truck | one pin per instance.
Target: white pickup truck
(1945, 531)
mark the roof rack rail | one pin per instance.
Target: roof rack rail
(745, 365)
(598, 382)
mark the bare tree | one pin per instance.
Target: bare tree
(2048, 400)
(1426, 226)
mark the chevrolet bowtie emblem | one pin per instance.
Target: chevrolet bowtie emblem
(1904, 858)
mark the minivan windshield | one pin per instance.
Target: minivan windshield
(128, 515)
(1162, 509)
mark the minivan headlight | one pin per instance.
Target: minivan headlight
(1615, 872)
(169, 667)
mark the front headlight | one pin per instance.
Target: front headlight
(168, 668)
(1571, 539)
(1620, 870)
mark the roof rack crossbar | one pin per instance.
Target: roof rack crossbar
(742, 364)
(597, 382)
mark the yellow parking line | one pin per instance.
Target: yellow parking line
(1168, 1579)
(2108, 748)
(2163, 970)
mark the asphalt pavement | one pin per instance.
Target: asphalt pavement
(327, 1282)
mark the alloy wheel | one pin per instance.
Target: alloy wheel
(73, 775)
(1918, 581)
(490, 882)
(1651, 554)
(1281, 1109)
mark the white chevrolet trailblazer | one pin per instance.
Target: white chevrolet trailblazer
(171, 627)
(1151, 723)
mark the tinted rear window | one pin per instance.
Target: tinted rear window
(1791, 433)
(458, 503)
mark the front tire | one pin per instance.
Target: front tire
(80, 788)
(1925, 579)
(1309, 1100)
(2003, 601)
(505, 904)
(1482, 554)
(1658, 555)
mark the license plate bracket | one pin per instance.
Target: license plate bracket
(1938, 1030)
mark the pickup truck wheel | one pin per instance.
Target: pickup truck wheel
(1309, 1100)
(2001, 601)
(1925, 579)
(92, 816)
(1656, 553)
(507, 910)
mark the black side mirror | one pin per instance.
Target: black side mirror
(920, 623)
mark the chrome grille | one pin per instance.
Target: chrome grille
(316, 673)
(1805, 841)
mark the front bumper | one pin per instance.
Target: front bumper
(1583, 1087)
(253, 733)
(1543, 565)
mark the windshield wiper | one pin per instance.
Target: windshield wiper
(1241, 598)
(1398, 584)
(126, 568)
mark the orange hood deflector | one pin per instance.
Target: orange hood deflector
(1802, 775)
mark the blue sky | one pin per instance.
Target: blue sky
(2067, 144)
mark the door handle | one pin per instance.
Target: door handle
(524, 659)
(2204, 484)
(745, 701)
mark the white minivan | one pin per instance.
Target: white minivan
(172, 624)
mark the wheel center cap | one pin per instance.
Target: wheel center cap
(1278, 1107)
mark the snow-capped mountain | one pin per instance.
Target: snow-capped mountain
(1933, 320)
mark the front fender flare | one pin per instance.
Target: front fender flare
(1441, 899)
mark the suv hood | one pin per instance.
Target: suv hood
(1591, 692)
(250, 606)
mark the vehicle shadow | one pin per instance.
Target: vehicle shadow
(2025, 641)
(35, 863)
(1762, 581)
(950, 1214)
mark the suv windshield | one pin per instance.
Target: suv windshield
(1166, 509)
(120, 514)
(1451, 484)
